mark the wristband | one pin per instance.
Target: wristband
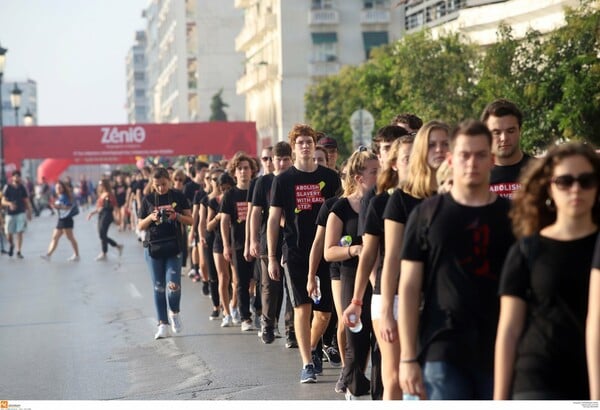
(357, 302)
(408, 360)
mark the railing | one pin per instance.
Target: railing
(323, 16)
(374, 16)
(323, 68)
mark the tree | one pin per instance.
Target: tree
(216, 108)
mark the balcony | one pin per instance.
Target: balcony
(242, 4)
(375, 16)
(323, 68)
(257, 76)
(253, 33)
(319, 17)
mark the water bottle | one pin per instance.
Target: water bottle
(316, 296)
(357, 323)
(346, 240)
(407, 396)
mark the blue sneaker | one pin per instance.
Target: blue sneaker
(318, 362)
(308, 375)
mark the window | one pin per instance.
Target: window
(321, 4)
(375, 4)
(372, 39)
(324, 47)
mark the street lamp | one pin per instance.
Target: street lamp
(2, 171)
(15, 101)
(28, 118)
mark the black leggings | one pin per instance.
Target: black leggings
(104, 221)
(213, 276)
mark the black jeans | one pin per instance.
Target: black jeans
(105, 219)
(244, 272)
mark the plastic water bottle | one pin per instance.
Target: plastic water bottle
(357, 323)
(346, 240)
(407, 396)
(316, 296)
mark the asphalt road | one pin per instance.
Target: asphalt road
(84, 331)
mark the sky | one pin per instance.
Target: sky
(75, 50)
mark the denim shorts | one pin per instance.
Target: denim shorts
(447, 381)
(15, 223)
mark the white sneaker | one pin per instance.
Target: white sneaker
(227, 321)
(235, 316)
(73, 258)
(191, 273)
(176, 325)
(247, 326)
(45, 257)
(162, 332)
(101, 257)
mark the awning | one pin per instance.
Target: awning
(320, 38)
(374, 39)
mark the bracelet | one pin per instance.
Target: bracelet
(408, 360)
(349, 254)
(272, 256)
(357, 302)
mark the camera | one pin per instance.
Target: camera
(163, 215)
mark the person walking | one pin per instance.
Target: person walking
(545, 286)
(65, 206)
(16, 200)
(452, 254)
(163, 214)
(105, 206)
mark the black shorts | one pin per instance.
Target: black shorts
(65, 223)
(334, 270)
(296, 278)
(218, 244)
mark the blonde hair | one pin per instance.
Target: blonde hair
(419, 180)
(357, 163)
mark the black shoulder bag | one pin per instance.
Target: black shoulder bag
(161, 247)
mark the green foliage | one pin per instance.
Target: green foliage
(554, 79)
(216, 107)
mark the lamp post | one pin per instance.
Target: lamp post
(28, 118)
(15, 101)
(2, 171)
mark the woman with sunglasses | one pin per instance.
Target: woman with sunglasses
(545, 284)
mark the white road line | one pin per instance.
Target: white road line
(134, 292)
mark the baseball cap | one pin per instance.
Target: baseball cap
(327, 142)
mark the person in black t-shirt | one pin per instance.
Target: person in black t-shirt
(297, 194)
(545, 283)
(234, 212)
(162, 214)
(504, 120)
(194, 191)
(18, 212)
(453, 249)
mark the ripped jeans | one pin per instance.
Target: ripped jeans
(166, 278)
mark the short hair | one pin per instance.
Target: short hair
(161, 172)
(388, 133)
(239, 157)
(411, 119)
(200, 165)
(282, 149)
(470, 128)
(501, 108)
(301, 129)
(16, 173)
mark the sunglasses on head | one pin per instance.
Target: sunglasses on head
(586, 180)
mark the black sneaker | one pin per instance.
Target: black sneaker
(267, 336)
(332, 355)
(19, 255)
(316, 359)
(11, 250)
(290, 341)
(205, 288)
(214, 315)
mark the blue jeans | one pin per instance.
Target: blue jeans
(447, 381)
(165, 270)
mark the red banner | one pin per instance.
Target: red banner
(119, 144)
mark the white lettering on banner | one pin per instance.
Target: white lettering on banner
(307, 195)
(505, 189)
(115, 136)
(242, 211)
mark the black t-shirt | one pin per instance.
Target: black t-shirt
(300, 196)
(551, 351)
(121, 193)
(374, 226)
(466, 249)
(172, 201)
(364, 206)
(234, 204)
(251, 189)
(325, 266)
(16, 194)
(261, 198)
(203, 202)
(190, 189)
(213, 203)
(342, 209)
(504, 179)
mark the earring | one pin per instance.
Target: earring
(550, 204)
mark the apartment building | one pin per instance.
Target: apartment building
(137, 84)
(290, 44)
(191, 57)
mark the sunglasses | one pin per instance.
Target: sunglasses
(586, 180)
(267, 159)
(179, 180)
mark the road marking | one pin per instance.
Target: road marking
(134, 292)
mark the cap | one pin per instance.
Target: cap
(327, 142)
